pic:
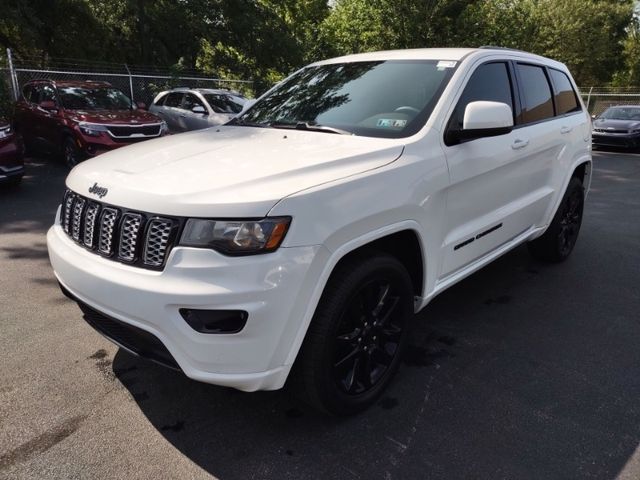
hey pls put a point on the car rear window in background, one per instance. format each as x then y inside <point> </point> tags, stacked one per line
<point>537,103</point>
<point>223,103</point>
<point>490,82</point>
<point>174,99</point>
<point>566,101</point>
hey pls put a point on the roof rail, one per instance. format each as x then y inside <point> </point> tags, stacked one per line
<point>493,47</point>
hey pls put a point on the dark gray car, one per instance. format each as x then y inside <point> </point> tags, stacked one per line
<point>618,127</point>
<point>192,109</point>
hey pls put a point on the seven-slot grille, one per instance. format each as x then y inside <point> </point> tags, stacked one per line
<point>136,238</point>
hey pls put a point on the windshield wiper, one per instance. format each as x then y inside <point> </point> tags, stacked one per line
<point>313,127</point>
<point>245,123</point>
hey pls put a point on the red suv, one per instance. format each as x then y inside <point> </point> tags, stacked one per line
<point>11,159</point>
<point>81,119</point>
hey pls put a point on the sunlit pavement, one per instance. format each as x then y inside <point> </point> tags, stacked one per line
<point>522,371</point>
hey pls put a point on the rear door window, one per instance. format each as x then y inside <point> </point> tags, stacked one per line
<point>537,103</point>
<point>565,95</point>
<point>174,99</point>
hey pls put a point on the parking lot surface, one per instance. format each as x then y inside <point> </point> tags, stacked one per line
<point>522,371</point>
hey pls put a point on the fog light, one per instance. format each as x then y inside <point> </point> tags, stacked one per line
<point>215,321</point>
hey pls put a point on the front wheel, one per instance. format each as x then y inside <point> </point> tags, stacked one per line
<point>71,154</point>
<point>353,346</point>
<point>557,243</point>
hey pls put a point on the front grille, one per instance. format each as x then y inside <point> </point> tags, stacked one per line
<point>134,131</point>
<point>606,130</point>
<point>137,238</point>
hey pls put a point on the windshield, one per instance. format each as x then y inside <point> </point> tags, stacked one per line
<point>99,98</point>
<point>390,98</point>
<point>632,113</point>
<point>222,103</point>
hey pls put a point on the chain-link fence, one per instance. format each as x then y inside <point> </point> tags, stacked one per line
<point>598,99</point>
<point>141,83</point>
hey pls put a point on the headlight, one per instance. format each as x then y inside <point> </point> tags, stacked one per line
<point>5,131</point>
<point>91,129</point>
<point>236,237</point>
<point>164,128</point>
<point>634,130</point>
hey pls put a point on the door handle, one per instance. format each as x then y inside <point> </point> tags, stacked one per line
<point>518,144</point>
<point>182,115</point>
<point>565,130</point>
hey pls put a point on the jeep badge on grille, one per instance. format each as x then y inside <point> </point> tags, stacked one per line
<point>97,190</point>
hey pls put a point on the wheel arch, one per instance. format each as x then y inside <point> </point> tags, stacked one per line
<point>389,239</point>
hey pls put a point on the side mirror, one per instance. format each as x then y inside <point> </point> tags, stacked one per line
<point>199,109</point>
<point>48,105</point>
<point>486,119</point>
<point>141,105</point>
<point>593,117</point>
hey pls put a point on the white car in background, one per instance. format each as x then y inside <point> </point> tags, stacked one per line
<point>193,109</point>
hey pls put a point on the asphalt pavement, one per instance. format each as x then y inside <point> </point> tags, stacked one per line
<point>522,371</point>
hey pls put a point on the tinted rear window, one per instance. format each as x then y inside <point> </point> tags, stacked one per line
<point>536,102</point>
<point>566,100</point>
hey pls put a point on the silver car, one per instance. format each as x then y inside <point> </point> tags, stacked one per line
<point>192,109</point>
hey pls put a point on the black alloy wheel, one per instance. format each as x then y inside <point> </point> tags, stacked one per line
<point>369,335</point>
<point>357,335</point>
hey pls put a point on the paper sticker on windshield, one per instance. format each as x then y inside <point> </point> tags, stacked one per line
<point>391,123</point>
<point>442,64</point>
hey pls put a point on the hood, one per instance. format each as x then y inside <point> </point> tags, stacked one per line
<point>227,171</point>
<point>616,124</point>
<point>114,117</point>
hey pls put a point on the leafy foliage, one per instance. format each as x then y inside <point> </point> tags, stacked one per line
<point>267,39</point>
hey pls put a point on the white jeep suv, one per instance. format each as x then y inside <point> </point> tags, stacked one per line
<point>300,239</point>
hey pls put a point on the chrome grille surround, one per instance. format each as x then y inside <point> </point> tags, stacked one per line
<point>66,210</point>
<point>155,245</point>
<point>129,229</point>
<point>78,208</point>
<point>107,227</point>
<point>90,223</point>
<point>136,238</point>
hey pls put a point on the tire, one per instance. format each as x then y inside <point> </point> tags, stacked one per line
<point>354,343</point>
<point>557,243</point>
<point>71,154</point>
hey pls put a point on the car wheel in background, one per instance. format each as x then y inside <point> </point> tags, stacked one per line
<point>71,154</point>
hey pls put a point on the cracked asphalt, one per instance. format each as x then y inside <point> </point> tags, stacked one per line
<point>522,371</point>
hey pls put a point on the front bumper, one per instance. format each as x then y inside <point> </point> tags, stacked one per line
<point>626,140</point>
<point>271,288</point>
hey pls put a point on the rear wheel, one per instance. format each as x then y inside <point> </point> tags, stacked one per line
<point>558,241</point>
<point>353,345</point>
<point>71,154</point>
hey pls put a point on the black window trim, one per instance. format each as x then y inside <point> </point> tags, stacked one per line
<point>515,99</point>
